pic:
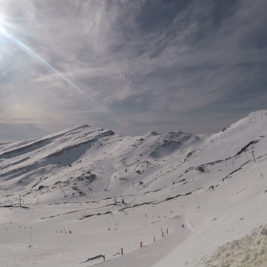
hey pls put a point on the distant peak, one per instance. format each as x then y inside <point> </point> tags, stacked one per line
<point>255,117</point>
<point>83,126</point>
<point>153,133</point>
<point>258,114</point>
<point>174,134</point>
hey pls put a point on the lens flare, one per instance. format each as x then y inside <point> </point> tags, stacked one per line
<point>2,27</point>
<point>42,62</point>
<point>34,55</point>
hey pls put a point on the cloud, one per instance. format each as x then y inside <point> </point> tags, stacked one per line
<point>142,65</point>
<point>17,131</point>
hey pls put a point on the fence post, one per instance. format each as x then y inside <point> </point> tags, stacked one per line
<point>121,251</point>
<point>154,239</point>
<point>141,244</point>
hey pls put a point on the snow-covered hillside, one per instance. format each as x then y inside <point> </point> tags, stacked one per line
<point>87,191</point>
<point>87,162</point>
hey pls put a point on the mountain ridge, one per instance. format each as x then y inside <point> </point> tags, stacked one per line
<point>132,160</point>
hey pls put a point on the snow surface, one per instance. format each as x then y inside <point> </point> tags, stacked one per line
<point>87,192</point>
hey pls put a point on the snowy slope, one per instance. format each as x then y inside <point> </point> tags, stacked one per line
<point>84,161</point>
<point>88,191</point>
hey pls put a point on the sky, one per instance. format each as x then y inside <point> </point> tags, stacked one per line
<point>130,66</point>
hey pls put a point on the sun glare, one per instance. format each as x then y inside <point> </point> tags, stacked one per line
<point>2,27</point>
<point>6,32</point>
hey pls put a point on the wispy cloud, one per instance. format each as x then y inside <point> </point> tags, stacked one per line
<point>142,65</point>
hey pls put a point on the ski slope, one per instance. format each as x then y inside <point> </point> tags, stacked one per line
<point>86,192</point>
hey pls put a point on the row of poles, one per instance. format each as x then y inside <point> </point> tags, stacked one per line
<point>141,243</point>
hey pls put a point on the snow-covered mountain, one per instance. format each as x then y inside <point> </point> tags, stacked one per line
<point>85,161</point>
<point>206,189</point>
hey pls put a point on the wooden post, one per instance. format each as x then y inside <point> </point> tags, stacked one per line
<point>104,258</point>
<point>30,246</point>
<point>253,155</point>
<point>154,239</point>
<point>162,234</point>
<point>167,231</point>
<point>121,251</point>
<point>141,244</point>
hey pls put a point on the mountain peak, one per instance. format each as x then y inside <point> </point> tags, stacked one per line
<point>251,120</point>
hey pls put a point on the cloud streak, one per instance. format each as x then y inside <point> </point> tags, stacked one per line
<point>142,65</point>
